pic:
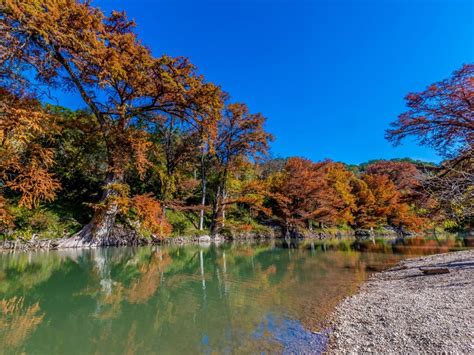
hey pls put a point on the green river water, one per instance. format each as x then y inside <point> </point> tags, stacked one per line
<point>230,298</point>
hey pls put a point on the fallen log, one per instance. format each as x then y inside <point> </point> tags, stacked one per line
<point>434,270</point>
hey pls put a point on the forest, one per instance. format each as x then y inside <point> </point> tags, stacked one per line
<point>158,151</point>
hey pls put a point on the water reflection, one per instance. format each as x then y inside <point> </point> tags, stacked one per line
<point>17,321</point>
<point>230,298</point>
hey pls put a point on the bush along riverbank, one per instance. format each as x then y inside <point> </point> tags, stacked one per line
<point>423,305</point>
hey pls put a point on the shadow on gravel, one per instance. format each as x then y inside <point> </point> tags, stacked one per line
<point>459,265</point>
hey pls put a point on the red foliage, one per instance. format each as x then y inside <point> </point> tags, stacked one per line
<point>404,175</point>
<point>307,191</point>
<point>380,203</point>
<point>440,116</point>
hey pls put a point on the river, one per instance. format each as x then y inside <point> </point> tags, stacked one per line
<point>229,298</point>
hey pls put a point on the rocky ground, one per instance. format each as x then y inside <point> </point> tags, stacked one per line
<point>404,311</point>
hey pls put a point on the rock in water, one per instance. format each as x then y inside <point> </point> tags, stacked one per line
<point>204,239</point>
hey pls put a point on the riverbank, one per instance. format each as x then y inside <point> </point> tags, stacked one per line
<point>123,237</point>
<point>402,310</point>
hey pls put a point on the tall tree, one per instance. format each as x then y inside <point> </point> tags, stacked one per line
<point>379,203</point>
<point>71,45</point>
<point>442,117</point>
<point>240,134</point>
<point>294,192</point>
<point>307,192</point>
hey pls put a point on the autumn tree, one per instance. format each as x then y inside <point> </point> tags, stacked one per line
<point>364,213</point>
<point>452,187</point>
<point>442,117</point>
<point>73,46</point>
<point>379,203</point>
<point>308,192</point>
<point>246,194</point>
<point>241,134</point>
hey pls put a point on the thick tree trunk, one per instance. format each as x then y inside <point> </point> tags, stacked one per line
<point>99,231</point>
<point>103,221</point>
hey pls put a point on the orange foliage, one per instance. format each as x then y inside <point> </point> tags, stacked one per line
<point>343,201</point>
<point>379,202</point>
<point>363,215</point>
<point>404,175</point>
<point>149,281</point>
<point>151,215</point>
<point>313,191</point>
<point>328,193</point>
<point>17,321</point>
<point>72,45</point>
<point>24,162</point>
<point>294,190</point>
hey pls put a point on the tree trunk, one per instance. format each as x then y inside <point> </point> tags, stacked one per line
<point>203,192</point>
<point>104,219</point>
<point>215,211</point>
<point>224,196</point>
<point>99,231</point>
<point>218,203</point>
<point>201,259</point>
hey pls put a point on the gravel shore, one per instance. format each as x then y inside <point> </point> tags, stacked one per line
<point>403,311</point>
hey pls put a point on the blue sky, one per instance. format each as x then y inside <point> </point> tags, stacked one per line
<point>329,75</point>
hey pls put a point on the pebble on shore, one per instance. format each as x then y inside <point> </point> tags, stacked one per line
<point>404,311</point>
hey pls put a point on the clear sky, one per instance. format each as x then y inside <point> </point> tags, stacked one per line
<point>330,75</point>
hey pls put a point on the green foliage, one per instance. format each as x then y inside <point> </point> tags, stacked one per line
<point>452,226</point>
<point>363,166</point>
<point>41,223</point>
<point>182,225</point>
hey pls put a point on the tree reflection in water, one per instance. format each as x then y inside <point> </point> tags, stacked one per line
<point>17,321</point>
